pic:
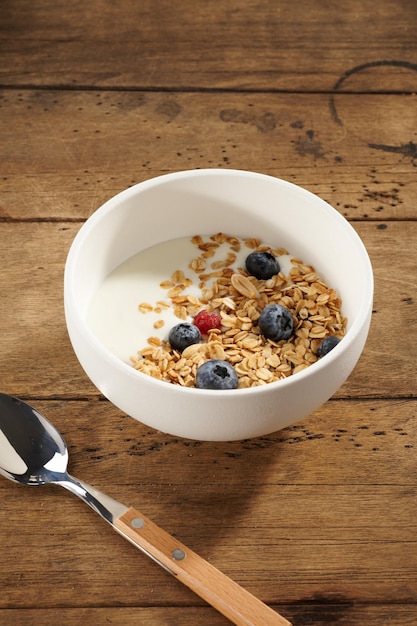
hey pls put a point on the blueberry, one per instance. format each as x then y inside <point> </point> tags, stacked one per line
<point>183,335</point>
<point>327,344</point>
<point>276,322</point>
<point>216,374</point>
<point>262,265</point>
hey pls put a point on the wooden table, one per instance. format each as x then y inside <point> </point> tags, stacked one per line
<point>317,520</point>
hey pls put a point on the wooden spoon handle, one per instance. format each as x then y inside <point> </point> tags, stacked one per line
<point>237,604</point>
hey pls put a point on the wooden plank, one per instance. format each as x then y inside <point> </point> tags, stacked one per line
<point>317,513</point>
<point>256,45</point>
<point>372,434</point>
<point>37,359</point>
<point>319,615</point>
<point>64,153</point>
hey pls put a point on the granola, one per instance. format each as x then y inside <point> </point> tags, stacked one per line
<point>239,299</point>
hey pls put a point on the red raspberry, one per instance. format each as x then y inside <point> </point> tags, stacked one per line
<point>206,320</point>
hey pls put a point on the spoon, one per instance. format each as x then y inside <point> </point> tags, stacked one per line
<point>33,452</point>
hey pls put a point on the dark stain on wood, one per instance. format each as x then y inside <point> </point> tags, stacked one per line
<point>408,150</point>
<point>264,123</point>
<point>388,198</point>
<point>322,609</point>
<point>308,145</point>
<point>169,108</point>
<point>360,68</point>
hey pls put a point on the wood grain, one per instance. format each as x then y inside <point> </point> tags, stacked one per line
<point>64,153</point>
<point>342,614</point>
<point>322,512</point>
<point>252,45</point>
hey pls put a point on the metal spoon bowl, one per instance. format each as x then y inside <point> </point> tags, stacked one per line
<point>33,452</point>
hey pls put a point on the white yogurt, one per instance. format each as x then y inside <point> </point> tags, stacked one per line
<point>114,316</point>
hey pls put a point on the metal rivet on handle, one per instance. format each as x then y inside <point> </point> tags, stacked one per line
<point>178,554</point>
<point>137,522</point>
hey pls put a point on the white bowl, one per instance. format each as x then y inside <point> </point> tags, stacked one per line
<point>204,202</point>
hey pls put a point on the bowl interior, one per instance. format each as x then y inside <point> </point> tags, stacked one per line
<point>208,201</point>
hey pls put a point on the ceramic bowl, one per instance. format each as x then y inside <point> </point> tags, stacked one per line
<point>240,203</point>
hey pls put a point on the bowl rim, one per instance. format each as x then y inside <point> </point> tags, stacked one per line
<point>101,212</point>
